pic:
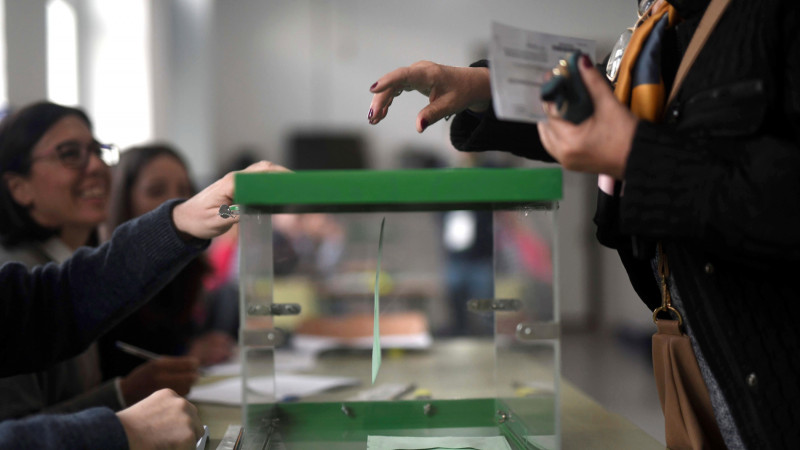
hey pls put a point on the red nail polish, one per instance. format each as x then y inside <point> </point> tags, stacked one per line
<point>369,116</point>
<point>424,124</point>
<point>373,86</point>
<point>587,63</point>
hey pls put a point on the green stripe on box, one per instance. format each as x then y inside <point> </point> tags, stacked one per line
<point>398,189</point>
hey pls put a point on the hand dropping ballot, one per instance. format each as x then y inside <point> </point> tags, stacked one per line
<point>519,60</point>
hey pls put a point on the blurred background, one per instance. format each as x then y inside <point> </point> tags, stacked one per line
<point>288,81</point>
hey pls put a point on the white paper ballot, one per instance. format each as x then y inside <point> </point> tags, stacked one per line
<point>519,60</point>
<point>229,391</point>
<point>286,361</point>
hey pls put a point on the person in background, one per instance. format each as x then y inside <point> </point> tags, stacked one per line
<point>85,295</point>
<point>54,194</point>
<point>169,324</point>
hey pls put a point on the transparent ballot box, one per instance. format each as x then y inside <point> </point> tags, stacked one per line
<point>384,308</point>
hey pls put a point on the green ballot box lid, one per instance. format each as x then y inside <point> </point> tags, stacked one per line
<point>399,190</point>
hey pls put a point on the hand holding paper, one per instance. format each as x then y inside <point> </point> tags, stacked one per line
<point>520,61</point>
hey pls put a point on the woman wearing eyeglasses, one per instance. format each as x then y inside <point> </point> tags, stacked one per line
<point>54,193</point>
<point>711,177</point>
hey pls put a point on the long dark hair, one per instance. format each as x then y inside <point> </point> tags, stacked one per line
<point>19,133</point>
<point>167,322</point>
<point>131,163</point>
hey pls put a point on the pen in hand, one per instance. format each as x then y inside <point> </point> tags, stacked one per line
<point>136,351</point>
<point>144,354</point>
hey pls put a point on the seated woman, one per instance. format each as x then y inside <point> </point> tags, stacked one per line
<point>169,324</point>
<point>53,195</point>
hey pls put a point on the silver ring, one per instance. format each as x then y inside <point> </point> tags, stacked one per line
<point>226,211</point>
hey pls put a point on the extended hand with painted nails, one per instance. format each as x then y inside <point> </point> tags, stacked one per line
<point>600,144</point>
<point>449,90</point>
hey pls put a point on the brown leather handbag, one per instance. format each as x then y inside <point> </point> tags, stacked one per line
<point>688,416</point>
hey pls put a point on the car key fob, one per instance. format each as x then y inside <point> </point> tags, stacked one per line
<point>567,91</point>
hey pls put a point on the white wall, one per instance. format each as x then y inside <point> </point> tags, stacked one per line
<point>282,65</point>
<point>25,51</point>
<point>183,85</point>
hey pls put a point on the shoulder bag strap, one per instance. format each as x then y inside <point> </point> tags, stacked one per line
<point>707,23</point>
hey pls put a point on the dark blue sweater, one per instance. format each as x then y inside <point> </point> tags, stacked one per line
<point>55,311</point>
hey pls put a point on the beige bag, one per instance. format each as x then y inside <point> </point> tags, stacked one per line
<point>688,416</point>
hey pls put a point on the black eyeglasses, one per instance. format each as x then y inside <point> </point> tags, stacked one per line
<point>75,155</point>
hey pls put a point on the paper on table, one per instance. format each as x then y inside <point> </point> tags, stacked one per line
<point>519,61</point>
<point>229,391</point>
<point>376,332</point>
<point>285,361</point>
<point>426,443</point>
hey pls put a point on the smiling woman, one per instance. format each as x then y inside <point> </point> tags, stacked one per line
<point>41,195</point>
<point>54,192</point>
<point>147,176</point>
<point>67,185</point>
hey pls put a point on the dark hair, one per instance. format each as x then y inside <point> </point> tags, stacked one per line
<point>130,166</point>
<point>166,323</point>
<point>19,133</point>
